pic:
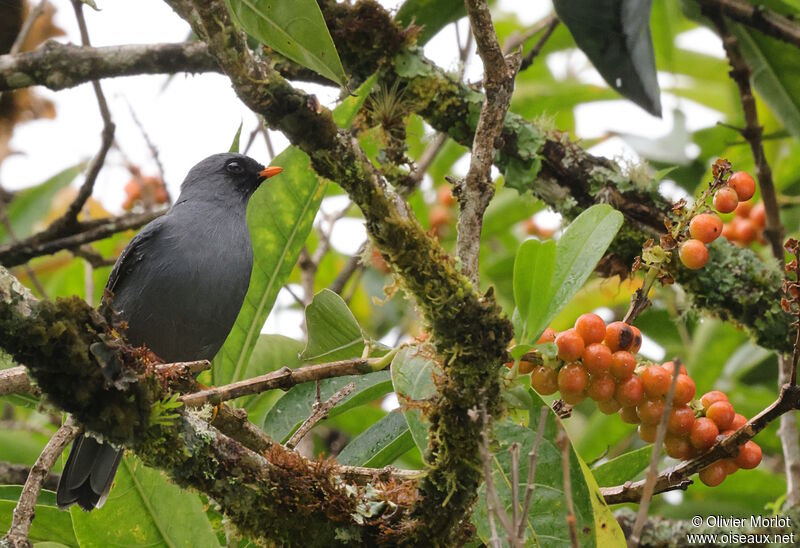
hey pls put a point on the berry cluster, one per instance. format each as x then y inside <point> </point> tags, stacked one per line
<point>598,362</point>
<point>707,227</point>
<point>747,224</point>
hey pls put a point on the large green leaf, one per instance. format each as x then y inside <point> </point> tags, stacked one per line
<point>546,522</point>
<point>144,509</point>
<point>547,275</point>
<point>280,215</point>
<point>295,406</point>
<point>431,15</point>
<point>333,332</point>
<point>50,525</point>
<point>413,380</point>
<point>293,28</point>
<point>615,36</point>
<point>623,468</point>
<point>775,69</point>
<point>380,444</point>
<point>32,204</point>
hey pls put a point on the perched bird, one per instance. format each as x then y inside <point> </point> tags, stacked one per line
<point>179,285</point>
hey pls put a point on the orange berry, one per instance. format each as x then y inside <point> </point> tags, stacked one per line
<point>743,209</point>
<point>609,407</point>
<point>544,380</point>
<point>572,378</point>
<point>704,433</point>
<point>591,328</point>
<point>726,200</point>
<point>705,227</point>
<point>628,415</point>
<point>623,364</point>
<point>712,397</point>
<point>656,381</point>
<point>596,358</point>
<point>684,390</point>
<point>713,474</point>
<point>681,420</point>
<point>743,184</point>
<point>439,216</point>
<point>738,421</point>
<point>445,196</point>
<point>670,366</point>
<point>693,254</point>
<point>759,215</point>
<point>601,387</point>
<point>648,432</point>
<point>744,230</point>
<point>730,466</point>
<point>630,392</point>
<point>547,336</point>
<point>650,411</point>
<point>133,189</point>
<point>570,345</point>
<point>721,413</point>
<point>728,232</point>
<point>677,447</point>
<point>619,336</point>
<point>525,367</point>
<point>749,455</point>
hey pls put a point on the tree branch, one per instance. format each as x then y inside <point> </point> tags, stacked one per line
<point>476,193</point>
<point>83,233</point>
<point>17,535</point>
<point>17,474</point>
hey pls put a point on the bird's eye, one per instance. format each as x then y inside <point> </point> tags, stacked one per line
<point>235,168</point>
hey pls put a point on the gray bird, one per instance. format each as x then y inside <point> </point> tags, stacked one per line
<point>179,285</point>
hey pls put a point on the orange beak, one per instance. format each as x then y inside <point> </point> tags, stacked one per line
<point>270,171</point>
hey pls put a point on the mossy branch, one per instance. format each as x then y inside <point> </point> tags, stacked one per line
<point>110,388</point>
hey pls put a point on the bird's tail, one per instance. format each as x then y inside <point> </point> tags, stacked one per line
<point>88,474</point>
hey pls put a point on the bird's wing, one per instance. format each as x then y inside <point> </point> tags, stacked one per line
<point>134,253</point>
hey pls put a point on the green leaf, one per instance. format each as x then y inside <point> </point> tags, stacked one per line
<point>561,268</point>
<point>775,68</point>
<point>295,406</point>
<point>235,143</point>
<point>347,110</point>
<point>380,444</point>
<point>615,36</point>
<point>623,468</point>
<point>144,509</point>
<point>280,215</point>
<point>31,205</point>
<point>293,28</point>
<point>431,15</point>
<point>333,332</point>
<point>412,377</point>
<point>546,523</point>
<point>50,525</point>
<point>533,275</point>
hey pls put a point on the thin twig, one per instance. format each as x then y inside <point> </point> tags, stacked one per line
<point>514,453</point>
<point>152,148</point>
<point>85,232</point>
<point>652,470</point>
<point>527,61</point>
<point>14,240</point>
<point>478,189</point>
<point>319,412</point>
<point>517,39</point>
<point>759,17</point>
<point>353,264</point>
<point>533,458</point>
<point>25,29</point>
<point>563,443</point>
<point>286,378</point>
<point>24,512</point>
<point>493,505</point>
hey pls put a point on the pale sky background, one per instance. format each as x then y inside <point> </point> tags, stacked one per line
<point>194,116</point>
